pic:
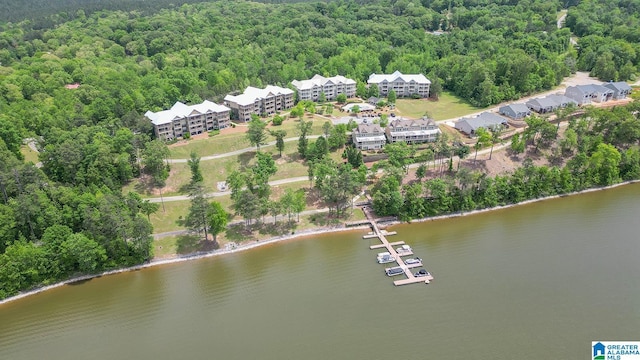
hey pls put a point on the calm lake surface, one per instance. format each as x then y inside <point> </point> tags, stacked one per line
<point>530,282</point>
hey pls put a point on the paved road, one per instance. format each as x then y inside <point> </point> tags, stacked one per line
<point>238,152</point>
<point>223,193</point>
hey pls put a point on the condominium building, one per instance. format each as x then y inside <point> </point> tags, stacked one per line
<point>331,87</point>
<point>368,137</point>
<point>184,119</point>
<point>403,85</point>
<point>259,101</point>
<point>412,131</point>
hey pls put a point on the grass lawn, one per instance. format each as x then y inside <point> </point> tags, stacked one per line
<point>29,155</point>
<point>448,106</point>
<point>227,142</point>
<point>171,245</point>
<point>216,144</point>
<point>166,221</point>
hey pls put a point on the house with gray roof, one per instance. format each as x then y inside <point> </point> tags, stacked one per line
<point>542,105</point>
<point>562,100</point>
<point>368,136</point>
<point>412,131</point>
<point>184,119</point>
<point>485,120</point>
<point>515,111</point>
<point>404,85</point>
<point>620,89</point>
<point>586,94</point>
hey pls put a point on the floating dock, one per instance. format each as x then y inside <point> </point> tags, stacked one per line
<point>384,243</point>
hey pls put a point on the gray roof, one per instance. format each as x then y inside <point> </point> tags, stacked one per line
<point>543,103</point>
<point>516,108</point>
<point>619,86</point>
<point>369,129</point>
<point>592,89</point>
<point>561,99</point>
<point>402,123</point>
<point>484,120</point>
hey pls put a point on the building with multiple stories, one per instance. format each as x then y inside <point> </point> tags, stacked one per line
<point>331,87</point>
<point>184,119</point>
<point>368,137</point>
<point>586,94</point>
<point>412,131</point>
<point>259,102</point>
<point>403,85</point>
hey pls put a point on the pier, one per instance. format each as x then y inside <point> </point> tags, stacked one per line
<point>389,246</point>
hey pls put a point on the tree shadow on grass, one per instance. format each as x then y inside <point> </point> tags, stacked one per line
<point>245,158</point>
<point>187,244</point>
<point>276,229</point>
<point>328,219</point>
<point>239,232</point>
<point>144,185</point>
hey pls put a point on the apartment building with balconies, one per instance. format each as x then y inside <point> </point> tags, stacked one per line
<point>260,102</point>
<point>331,87</point>
<point>184,119</point>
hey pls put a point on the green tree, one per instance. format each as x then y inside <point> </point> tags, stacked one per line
<point>256,133</point>
<point>197,217</point>
<point>304,127</point>
<point>495,132</point>
<point>326,128</point>
<point>604,165</point>
<point>391,97</point>
<point>387,199</point>
<point>341,98</point>
<point>279,135</point>
<point>148,208</point>
<point>217,220</point>
<point>483,137</point>
<point>373,91</point>
<point>79,253</point>
<point>194,166</point>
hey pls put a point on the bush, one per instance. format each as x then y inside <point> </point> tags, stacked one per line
<point>277,120</point>
<point>214,132</point>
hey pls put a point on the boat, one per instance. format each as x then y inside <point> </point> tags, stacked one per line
<point>413,261</point>
<point>421,273</point>
<point>404,249</point>
<point>386,253</point>
<point>394,271</point>
<point>385,259</point>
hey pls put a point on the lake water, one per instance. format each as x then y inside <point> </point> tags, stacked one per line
<point>535,281</point>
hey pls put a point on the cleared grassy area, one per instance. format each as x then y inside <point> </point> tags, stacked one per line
<point>236,140</point>
<point>216,144</point>
<point>164,221</point>
<point>448,106</point>
<point>289,166</point>
<point>169,246</point>
<point>29,155</point>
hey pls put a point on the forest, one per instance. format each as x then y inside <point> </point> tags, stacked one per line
<point>70,216</point>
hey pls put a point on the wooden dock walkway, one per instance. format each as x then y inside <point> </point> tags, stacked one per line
<point>397,255</point>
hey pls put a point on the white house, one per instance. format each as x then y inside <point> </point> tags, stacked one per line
<point>403,85</point>
<point>192,119</point>
<point>412,131</point>
<point>368,137</point>
<point>259,101</point>
<point>331,87</point>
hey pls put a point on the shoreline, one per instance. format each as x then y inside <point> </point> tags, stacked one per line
<point>302,234</point>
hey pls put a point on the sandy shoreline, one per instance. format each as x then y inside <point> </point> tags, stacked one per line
<point>310,232</point>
